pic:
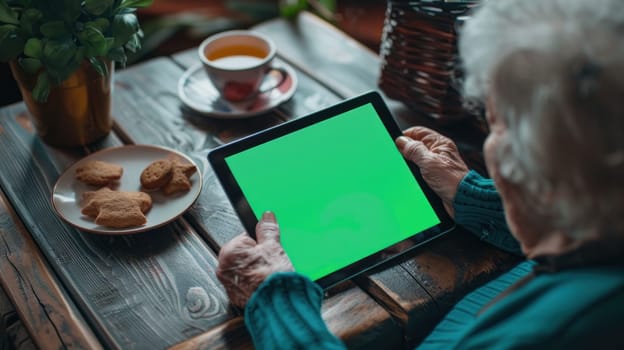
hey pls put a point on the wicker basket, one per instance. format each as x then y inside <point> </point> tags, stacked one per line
<point>419,57</point>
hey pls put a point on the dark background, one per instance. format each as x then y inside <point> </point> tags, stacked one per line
<point>174,25</point>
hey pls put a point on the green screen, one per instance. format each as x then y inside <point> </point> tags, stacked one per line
<point>340,190</point>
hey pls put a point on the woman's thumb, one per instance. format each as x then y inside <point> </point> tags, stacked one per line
<point>411,149</point>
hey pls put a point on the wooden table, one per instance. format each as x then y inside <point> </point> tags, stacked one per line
<point>158,289</point>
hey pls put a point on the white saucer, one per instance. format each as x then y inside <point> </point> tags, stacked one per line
<point>67,193</point>
<point>197,92</point>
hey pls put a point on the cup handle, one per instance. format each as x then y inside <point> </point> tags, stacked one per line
<point>277,81</point>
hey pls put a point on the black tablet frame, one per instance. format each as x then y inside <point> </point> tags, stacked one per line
<point>234,193</point>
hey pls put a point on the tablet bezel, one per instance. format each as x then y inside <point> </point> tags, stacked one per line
<point>234,193</point>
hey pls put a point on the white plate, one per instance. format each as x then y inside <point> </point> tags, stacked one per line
<point>197,92</point>
<point>67,193</point>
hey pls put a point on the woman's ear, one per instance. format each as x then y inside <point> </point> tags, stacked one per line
<point>489,110</point>
<point>491,114</point>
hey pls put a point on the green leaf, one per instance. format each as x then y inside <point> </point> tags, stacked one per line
<point>94,42</point>
<point>70,10</point>
<point>6,29</point>
<point>124,27</point>
<point>330,5</point>
<point>109,43</point>
<point>57,55</point>
<point>133,44</point>
<point>42,88</point>
<point>6,14</point>
<point>98,65</point>
<point>118,54</point>
<point>77,59</point>
<point>100,24</point>
<point>29,18</point>
<point>290,8</point>
<point>30,65</point>
<point>54,29</point>
<point>97,7</point>
<point>11,43</point>
<point>80,55</point>
<point>33,48</point>
<point>135,3</point>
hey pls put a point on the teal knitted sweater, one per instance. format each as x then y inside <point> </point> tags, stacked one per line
<point>558,304</point>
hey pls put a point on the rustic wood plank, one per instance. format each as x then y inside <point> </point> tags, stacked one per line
<point>446,268</point>
<point>13,333</point>
<point>213,214</point>
<point>147,291</point>
<point>229,335</point>
<point>394,287</point>
<point>41,303</point>
<point>347,312</point>
<point>359,320</point>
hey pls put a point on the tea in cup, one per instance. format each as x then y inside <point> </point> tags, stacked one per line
<point>237,62</point>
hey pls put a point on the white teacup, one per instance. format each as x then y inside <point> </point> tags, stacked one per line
<point>237,62</point>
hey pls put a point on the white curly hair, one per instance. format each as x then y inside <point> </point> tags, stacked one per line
<point>553,70</point>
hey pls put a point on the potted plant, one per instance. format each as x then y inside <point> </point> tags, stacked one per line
<point>62,54</point>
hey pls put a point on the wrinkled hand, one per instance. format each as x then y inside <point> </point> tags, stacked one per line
<point>244,263</point>
<point>438,159</point>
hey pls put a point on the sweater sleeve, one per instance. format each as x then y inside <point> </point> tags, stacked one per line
<point>285,313</point>
<point>479,209</point>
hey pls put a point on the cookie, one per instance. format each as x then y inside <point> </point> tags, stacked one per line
<point>180,179</point>
<point>98,173</point>
<point>157,174</point>
<point>116,209</point>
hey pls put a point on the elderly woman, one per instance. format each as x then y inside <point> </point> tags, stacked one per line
<point>551,75</point>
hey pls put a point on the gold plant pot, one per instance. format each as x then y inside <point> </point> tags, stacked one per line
<point>77,111</point>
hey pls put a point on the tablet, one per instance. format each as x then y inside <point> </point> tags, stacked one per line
<point>345,198</point>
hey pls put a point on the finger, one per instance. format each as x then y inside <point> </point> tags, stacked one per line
<point>427,136</point>
<point>413,150</point>
<point>267,228</point>
<point>243,240</point>
<point>418,132</point>
<point>232,248</point>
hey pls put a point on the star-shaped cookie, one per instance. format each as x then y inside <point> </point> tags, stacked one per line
<point>98,173</point>
<point>116,209</point>
<point>180,178</point>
